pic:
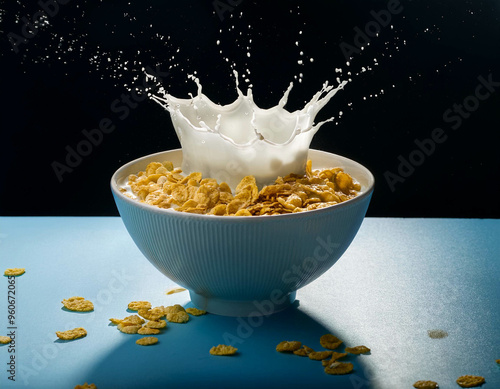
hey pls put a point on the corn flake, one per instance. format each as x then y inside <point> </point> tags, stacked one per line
<point>136,305</point>
<point>337,368</point>
<point>147,331</point>
<point>72,334</point>
<point>175,290</point>
<point>196,311</point>
<point>78,304</point>
<point>147,341</point>
<point>5,339</point>
<point>115,321</point>
<point>129,329</point>
<point>288,346</point>
<point>304,351</point>
<point>155,313</point>
<point>173,309</point>
<point>178,317</point>
<point>425,385</point>
<point>132,320</point>
<point>86,386</point>
<point>357,350</point>
<point>223,349</point>
<point>319,355</point>
<point>15,271</point>
<point>470,381</point>
<point>330,341</point>
<point>335,356</point>
<point>157,324</point>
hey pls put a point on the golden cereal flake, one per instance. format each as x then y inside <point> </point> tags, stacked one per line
<point>155,313</point>
<point>132,320</point>
<point>173,309</point>
<point>15,271</point>
<point>157,324</point>
<point>147,341</point>
<point>498,361</point>
<point>337,368</point>
<point>78,304</point>
<point>330,341</point>
<point>357,350</point>
<point>178,317</point>
<point>115,321</point>
<point>288,346</point>
<point>319,355</point>
<point>304,351</point>
<point>5,339</point>
<point>130,329</point>
<point>470,381</point>
<point>72,334</point>
<point>425,385</point>
<point>136,305</point>
<point>86,386</point>
<point>335,357</point>
<point>196,311</point>
<point>223,349</point>
<point>148,331</point>
<point>175,290</point>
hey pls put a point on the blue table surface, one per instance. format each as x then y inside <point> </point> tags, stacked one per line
<point>398,279</point>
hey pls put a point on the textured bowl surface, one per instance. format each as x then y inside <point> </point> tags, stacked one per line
<point>243,266</point>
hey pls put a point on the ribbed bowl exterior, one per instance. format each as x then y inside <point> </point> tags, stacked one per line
<point>242,258</point>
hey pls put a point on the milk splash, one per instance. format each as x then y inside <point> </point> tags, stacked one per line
<point>232,141</point>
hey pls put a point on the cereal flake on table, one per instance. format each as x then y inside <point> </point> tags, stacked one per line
<point>178,317</point>
<point>148,331</point>
<point>223,350</point>
<point>357,350</point>
<point>15,271</point>
<point>335,357</point>
<point>330,341</point>
<point>78,304</point>
<point>196,311</point>
<point>155,313</point>
<point>304,351</point>
<point>86,386</point>
<point>426,385</point>
<point>72,334</point>
<point>470,381</point>
<point>288,346</point>
<point>129,329</point>
<point>156,324</point>
<point>163,187</point>
<point>338,368</point>
<point>136,305</point>
<point>5,339</point>
<point>147,341</point>
<point>320,355</point>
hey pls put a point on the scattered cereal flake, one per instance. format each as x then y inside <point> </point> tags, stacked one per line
<point>175,290</point>
<point>425,385</point>
<point>498,361</point>
<point>136,305</point>
<point>222,349</point>
<point>330,341</point>
<point>337,368</point>
<point>115,321</point>
<point>173,309</point>
<point>196,311</point>
<point>157,324</point>
<point>5,339</point>
<point>72,334</point>
<point>178,317</point>
<point>130,329</point>
<point>15,271</point>
<point>335,357</point>
<point>147,341</point>
<point>288,346</point>
<point>470,381</point>
<point>132,320</point>
<point>78,304</point>
<point>304,351</point>
<point>320,355</point>
<point>148,331</point>
<point>86,386</point>
<point>357,350</point>
<point>155,313</point>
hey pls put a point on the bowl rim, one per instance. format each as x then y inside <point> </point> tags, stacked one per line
<point>235,219</point>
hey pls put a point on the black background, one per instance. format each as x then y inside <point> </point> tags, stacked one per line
<point>65,78</point>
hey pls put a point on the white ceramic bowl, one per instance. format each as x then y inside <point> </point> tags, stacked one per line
<point>243,266</point>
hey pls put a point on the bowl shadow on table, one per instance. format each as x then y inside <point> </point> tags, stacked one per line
<point>181,358</point>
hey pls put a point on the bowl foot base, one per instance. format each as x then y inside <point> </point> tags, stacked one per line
<point>241,308</point>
